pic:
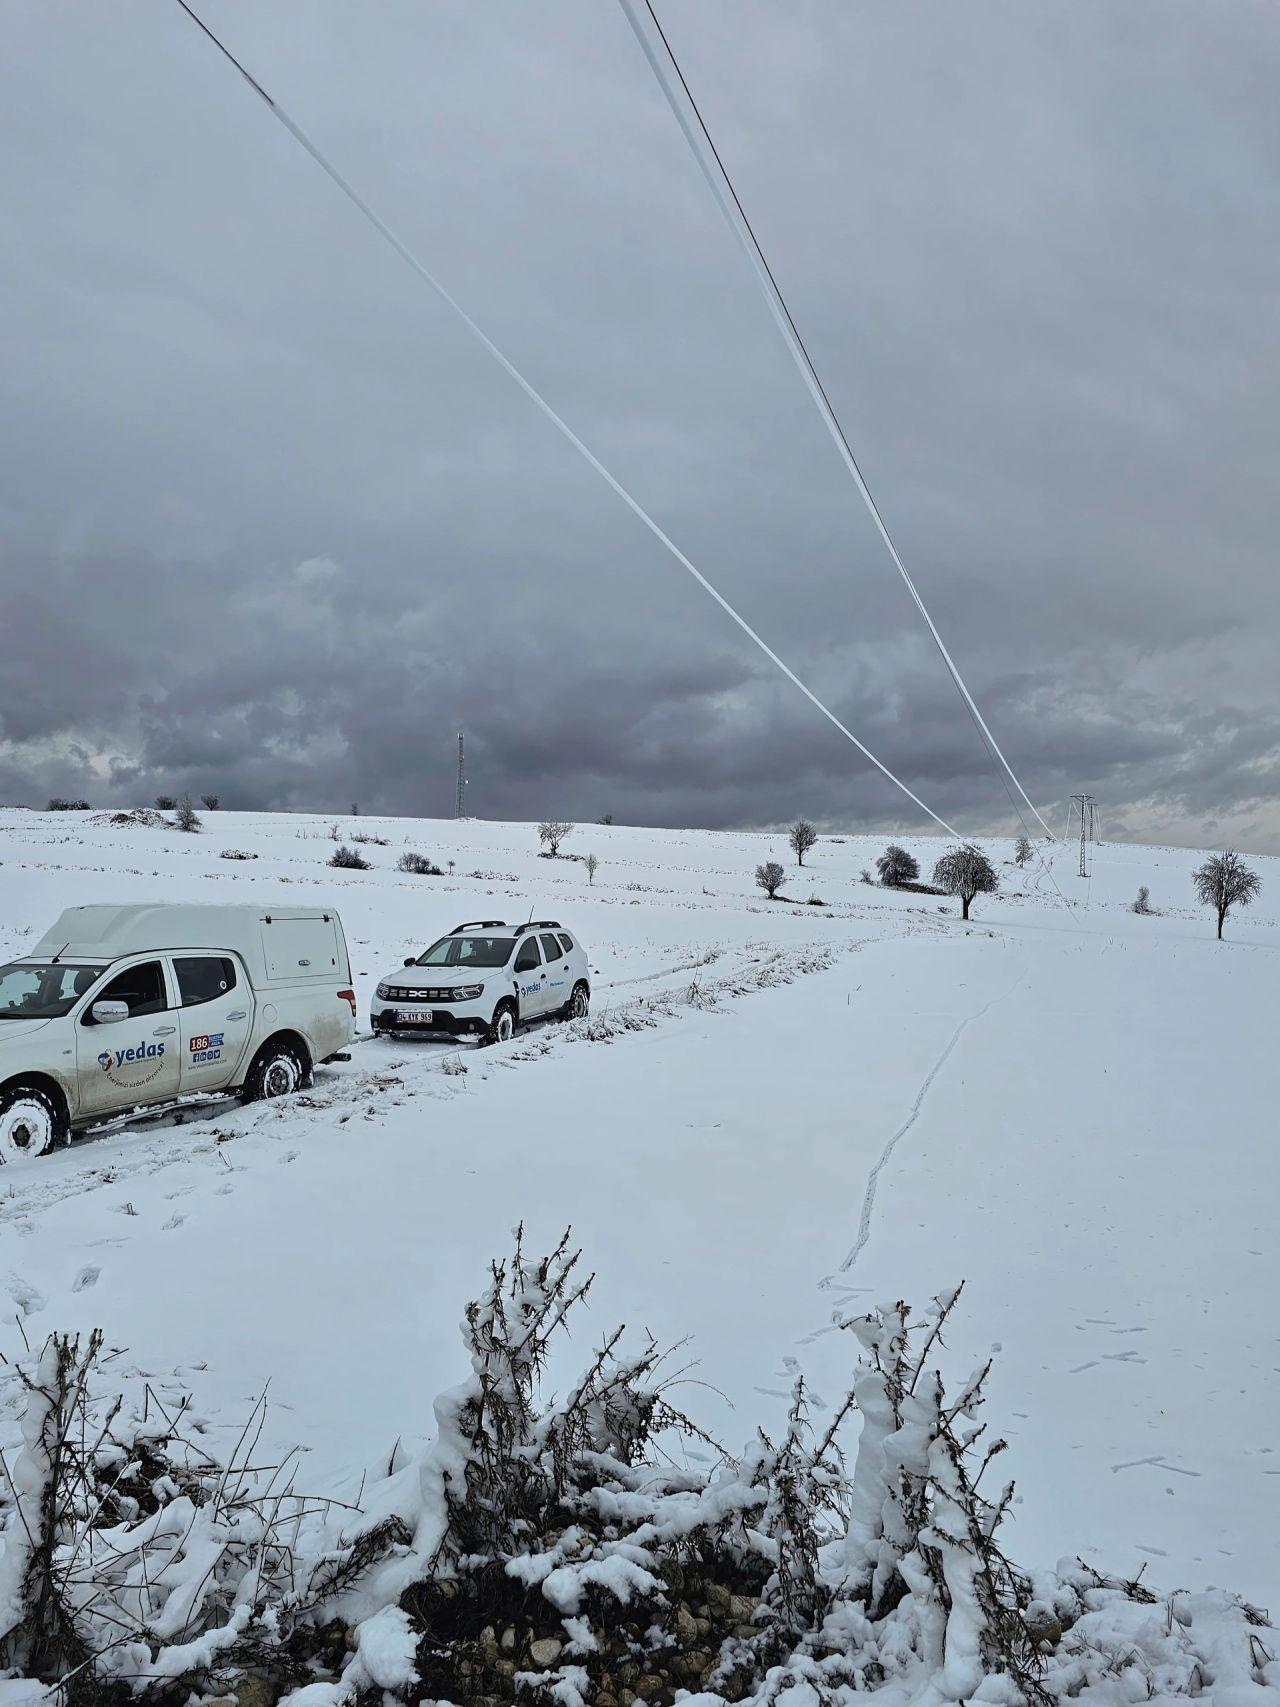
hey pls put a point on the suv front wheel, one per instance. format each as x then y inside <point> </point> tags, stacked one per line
<point>502,1027</point>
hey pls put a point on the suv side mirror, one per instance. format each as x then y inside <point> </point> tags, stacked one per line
<point>411,961</point>
<point>109,1013</point>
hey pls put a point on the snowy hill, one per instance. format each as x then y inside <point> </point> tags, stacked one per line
<point>801,1112</point>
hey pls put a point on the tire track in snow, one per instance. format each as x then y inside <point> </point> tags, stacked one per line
<point>873,1178</point>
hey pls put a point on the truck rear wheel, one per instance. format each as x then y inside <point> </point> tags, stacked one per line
<point>278,1070</point>
<point>30,1121</point>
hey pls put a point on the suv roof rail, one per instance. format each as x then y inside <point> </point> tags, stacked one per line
<point>480,925</point>
<point>539,925</point>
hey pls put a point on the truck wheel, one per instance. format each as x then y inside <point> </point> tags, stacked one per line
<point>277,1071</point>
<point>503,1026</point>
<point>30,1120</point>
<point>579,1003</point>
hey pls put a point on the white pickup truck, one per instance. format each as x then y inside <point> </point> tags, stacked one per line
<point>119,1008</point>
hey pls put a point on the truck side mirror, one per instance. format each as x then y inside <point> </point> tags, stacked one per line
<point>109,1013</point>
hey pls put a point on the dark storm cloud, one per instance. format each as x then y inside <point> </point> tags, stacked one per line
<point>273,526</point>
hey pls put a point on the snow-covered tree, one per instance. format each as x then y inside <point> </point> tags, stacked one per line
<point>551,832</point>
<point>770,877</point>
<point>1023,852</point>
<point>801,836</point>
<point>896,865</point>
<point>1225,881</point>
<point>966,871</point>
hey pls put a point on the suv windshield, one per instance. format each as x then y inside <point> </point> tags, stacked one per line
<point>468,951</point>
<point>29,990</point>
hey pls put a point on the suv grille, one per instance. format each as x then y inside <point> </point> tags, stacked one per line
<point>396,994</point>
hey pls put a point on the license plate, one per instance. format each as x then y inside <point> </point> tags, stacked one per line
<point>414,1016</point>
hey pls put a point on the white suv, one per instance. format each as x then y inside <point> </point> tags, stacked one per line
<point>484,979</point>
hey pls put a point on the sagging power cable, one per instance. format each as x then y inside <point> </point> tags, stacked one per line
<point>666,68</point>
<point>562,426</point>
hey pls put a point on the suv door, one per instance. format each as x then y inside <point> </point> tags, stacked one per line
<point>531,979</point>
<point>559,972</point>
<point>214,1028</point>
<point>136,1060</point>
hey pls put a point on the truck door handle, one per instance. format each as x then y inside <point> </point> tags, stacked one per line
<point>238,1014</point>
<point>164,1031</point>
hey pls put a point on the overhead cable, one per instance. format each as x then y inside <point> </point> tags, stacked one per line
<point>664,64</point>
<point>562,426</point>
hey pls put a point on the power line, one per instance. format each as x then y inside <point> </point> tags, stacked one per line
<point>721,186</point>
<point>562,426</point>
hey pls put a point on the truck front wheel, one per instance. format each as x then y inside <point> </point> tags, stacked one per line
<point>30,1120</point>
<point>278,1070</point>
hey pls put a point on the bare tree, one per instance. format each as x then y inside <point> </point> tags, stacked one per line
<point>802,836</point>
<point>896,865</point>
<point>593,865</point>
<point>165,803</point>
<point>770,877</point>
<point>188,818</point>
<point>1023,852</point>
<point>210,802</point>
<point>1225,881</point>
<point>551,833</point>
<point>966,871</point>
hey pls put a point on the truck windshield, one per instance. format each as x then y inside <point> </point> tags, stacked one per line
<point>31,990</point>
<point>468,951</point>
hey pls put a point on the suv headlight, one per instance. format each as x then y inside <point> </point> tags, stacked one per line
<point>382,992</point>
<point>467,992</point>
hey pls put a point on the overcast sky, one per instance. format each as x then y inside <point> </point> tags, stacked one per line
<point>272,526</point>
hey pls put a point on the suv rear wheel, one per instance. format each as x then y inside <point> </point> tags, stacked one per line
<point>30,1120</point>
<point>579,1003</point>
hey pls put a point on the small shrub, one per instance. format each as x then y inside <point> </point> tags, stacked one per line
<point>866,876</point>
<point>236,853</point>
<point>592,865</point>
<point>551,832</point>
<point>813,901</point>
<point>209,802</point>
<point>607,819</point>
<point>335,832</point>
<point>417,865</point>
<point>1023,852</point>
<point>364,839</point>
<point>58,804</point>
<point>188,818</point>
<point>166,803</point>
<point>1143,903</point>
<point>770,877</point>
<point>349,859</point>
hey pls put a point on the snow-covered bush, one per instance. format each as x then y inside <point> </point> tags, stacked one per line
<point>1143,902</point>
<point>556,1550</point>
<point>1023,852</point>
<point>236,853</point>
<point>348,858</point>
<point>186,817</point>
<point>418,865</point>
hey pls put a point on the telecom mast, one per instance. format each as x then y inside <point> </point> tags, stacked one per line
<point>460,808</point>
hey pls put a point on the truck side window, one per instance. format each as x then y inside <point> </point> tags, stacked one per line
<point>528,959</point>
<point>203,977</point>
<point>551,948</point>
<point>141,989</point>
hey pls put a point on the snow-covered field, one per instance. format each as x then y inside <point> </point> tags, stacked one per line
<point>1071,1108</point>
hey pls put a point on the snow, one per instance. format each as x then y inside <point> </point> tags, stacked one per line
<point>1069,1108</point>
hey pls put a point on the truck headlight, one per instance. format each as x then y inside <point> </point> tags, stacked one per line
<point>382,992</point>
<point>467,992</point>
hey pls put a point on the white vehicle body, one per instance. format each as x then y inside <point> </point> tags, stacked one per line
<point>118,1008</point>
<point>484,979</point>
